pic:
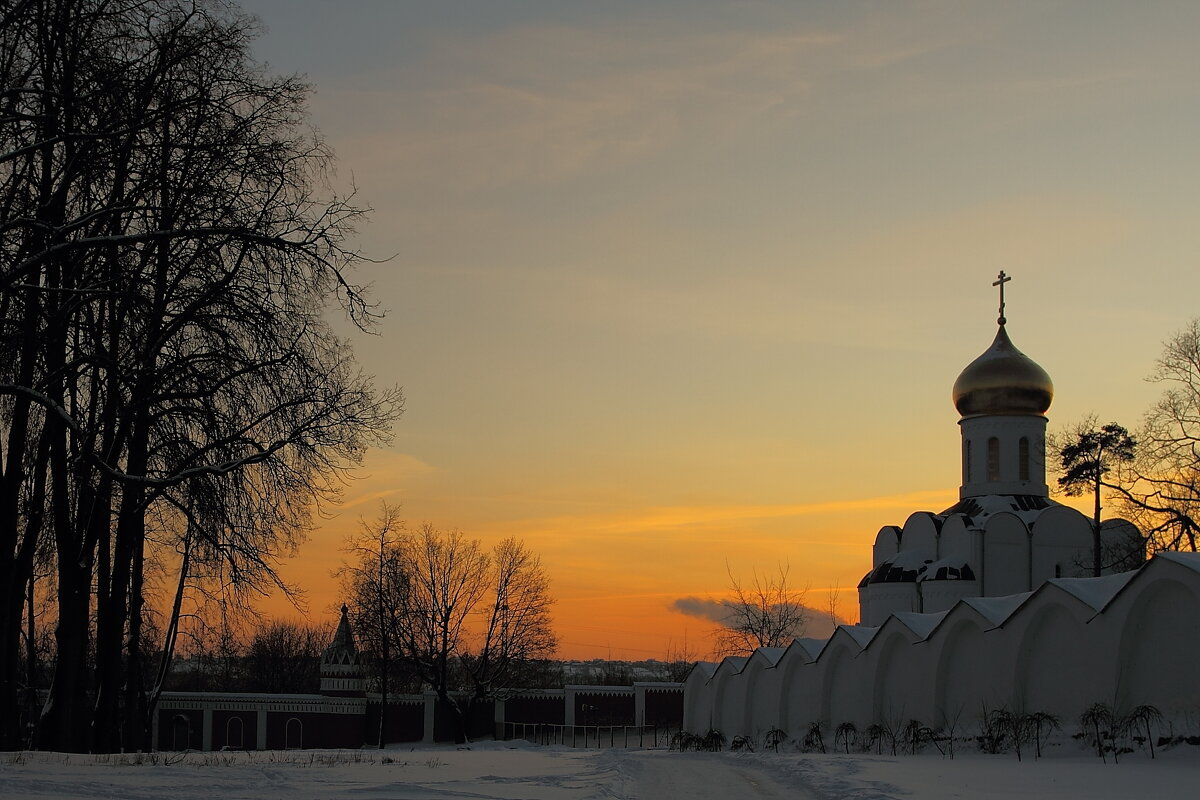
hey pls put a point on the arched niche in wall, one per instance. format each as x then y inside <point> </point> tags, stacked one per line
<point>726,687</point>
<point>842,698</point>
<point>698,691</point>
<point>234,733</point>
<point>1057,663</point>
<point>181,732</point>
<point>1160,644</point>
<point>962,682</point>
<point>798,675</point>
<point>894,684</point>
<point>293,734</point>
<point>1005,555</point>
<point>752,690</point>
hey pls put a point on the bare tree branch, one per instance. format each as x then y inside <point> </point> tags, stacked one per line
<point>766,612</point>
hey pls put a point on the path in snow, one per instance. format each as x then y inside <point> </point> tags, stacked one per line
<point>654,774</point>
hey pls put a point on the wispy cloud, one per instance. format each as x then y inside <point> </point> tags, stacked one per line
<point>818,622</point>
<point>386,475</point>
<point>540,104</point>
<point>701,608</point>
<point>701,516</point>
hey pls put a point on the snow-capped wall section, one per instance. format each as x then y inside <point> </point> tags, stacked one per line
<point>996,610</point>
<point>1096,592</point>
<point>921,625</point>
<point>1132,638</point>
<point>1188,560</point>
<point>809,648</point>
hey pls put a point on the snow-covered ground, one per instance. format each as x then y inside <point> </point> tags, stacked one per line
<point>517,771</point>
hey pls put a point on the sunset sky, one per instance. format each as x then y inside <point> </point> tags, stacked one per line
<point>680,284</point>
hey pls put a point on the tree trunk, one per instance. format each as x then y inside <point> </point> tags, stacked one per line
<point>1096,544</point>
<point>383,695</point>
<point>16,578</point>
<point>16,553</point>
<point>171,635</point>
<point>64,723</point>
<point>459,717</point>
<point>113,613</point>
<point>135,733</point>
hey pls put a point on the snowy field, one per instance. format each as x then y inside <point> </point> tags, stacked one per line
<point>516,771</point>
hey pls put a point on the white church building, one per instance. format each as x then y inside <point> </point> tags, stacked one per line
<point>985,605</point>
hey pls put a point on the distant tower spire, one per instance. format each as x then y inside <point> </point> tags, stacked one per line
<point>341,668</point>
<point>1000,281</point>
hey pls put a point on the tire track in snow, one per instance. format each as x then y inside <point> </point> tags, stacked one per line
<point>655,774</point>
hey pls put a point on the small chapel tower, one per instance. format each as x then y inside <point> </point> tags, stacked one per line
<point>1003,396</point>
<point>341,670</point>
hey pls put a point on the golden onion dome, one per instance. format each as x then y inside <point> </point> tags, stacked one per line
<point>1003,381</point>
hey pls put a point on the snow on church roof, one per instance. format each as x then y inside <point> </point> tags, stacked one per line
<point>976,510</point>
<point>1096,593</point>
<point>909,566</point>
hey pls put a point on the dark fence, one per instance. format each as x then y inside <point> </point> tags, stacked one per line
<point>624,736</point>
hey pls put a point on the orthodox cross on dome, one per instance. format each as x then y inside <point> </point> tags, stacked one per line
<point>1000,281</point>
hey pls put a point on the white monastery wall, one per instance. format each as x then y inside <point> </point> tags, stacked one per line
<point>698,691</point>
<point>1126,640</point>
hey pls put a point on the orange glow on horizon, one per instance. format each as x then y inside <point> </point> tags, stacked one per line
<point>615,574</point>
